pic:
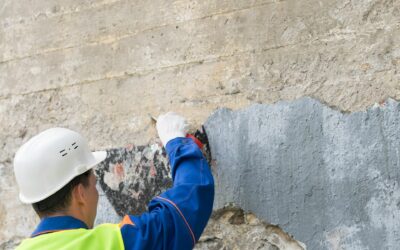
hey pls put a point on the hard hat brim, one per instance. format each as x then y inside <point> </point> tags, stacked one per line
<point>99,156</point>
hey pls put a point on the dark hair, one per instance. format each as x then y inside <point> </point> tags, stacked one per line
<point>60,200</point>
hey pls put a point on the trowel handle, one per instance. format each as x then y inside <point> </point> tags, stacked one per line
<point>197,141</point>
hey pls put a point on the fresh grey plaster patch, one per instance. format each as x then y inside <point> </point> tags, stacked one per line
<point>328,178</point>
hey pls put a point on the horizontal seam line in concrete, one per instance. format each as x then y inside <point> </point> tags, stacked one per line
<point>148,71</point>
<point>132,34</point>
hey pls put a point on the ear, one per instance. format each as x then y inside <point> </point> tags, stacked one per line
<point>79,194</point>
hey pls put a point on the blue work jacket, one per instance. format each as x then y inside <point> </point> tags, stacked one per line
<point>175,219</point>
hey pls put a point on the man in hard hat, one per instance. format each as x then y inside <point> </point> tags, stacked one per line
<point>54,174</point>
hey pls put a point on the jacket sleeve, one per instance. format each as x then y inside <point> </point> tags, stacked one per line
<point>176,218</point>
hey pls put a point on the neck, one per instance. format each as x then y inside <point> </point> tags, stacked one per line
<point>76,213</point>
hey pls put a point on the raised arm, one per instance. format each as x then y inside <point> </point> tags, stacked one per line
<point>177,217</point>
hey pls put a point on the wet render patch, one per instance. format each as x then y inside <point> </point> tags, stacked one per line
<point>330,179</point>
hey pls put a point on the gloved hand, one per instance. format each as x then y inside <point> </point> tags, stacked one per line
<point>171,126</point>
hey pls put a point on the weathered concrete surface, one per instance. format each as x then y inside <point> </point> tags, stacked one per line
<point>265,51</point>
<point>330,179</point>
<point>99,66</point>
<point>231,228</point>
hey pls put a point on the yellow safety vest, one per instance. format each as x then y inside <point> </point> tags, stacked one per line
<point>104,236</point>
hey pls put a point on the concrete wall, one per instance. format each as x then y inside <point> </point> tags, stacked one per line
<point>99,66</point>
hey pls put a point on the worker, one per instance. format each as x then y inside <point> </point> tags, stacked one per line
<point>54,174</point>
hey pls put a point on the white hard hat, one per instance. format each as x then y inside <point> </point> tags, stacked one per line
<point>51,159</point>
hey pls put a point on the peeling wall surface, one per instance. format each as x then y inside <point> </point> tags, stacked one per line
<point>101,66</point>
<point>329,179</point>
<point>130,177</point>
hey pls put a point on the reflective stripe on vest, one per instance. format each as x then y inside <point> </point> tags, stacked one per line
<point>104,236</point>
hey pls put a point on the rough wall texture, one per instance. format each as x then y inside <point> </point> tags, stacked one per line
<point>99,66</point>
<point>130,177</point>
<point>330,179</point>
